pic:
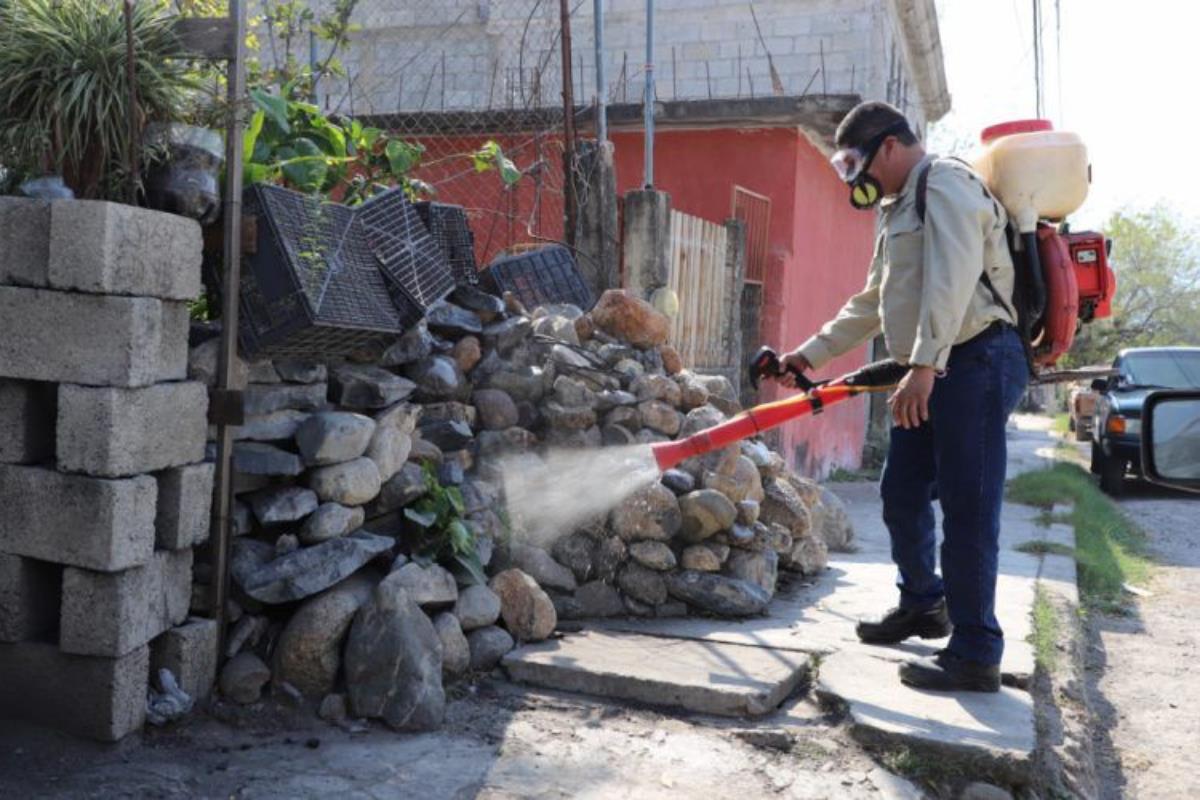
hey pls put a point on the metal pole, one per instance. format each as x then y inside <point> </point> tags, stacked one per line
<point>232,257</point>
<point>570,204</point>
<point>313,63</point>
<point>648,99</point>
<point>132,116</point>
<point>601,83</point>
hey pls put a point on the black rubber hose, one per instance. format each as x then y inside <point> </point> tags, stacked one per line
<point>1036,281</point>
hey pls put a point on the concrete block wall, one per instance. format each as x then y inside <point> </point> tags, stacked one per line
<point>102,473</point>
<point>704,48</point>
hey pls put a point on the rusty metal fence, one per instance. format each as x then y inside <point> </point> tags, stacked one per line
<point>451,75</point>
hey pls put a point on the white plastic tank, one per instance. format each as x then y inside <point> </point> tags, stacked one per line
<point>1034,170</point>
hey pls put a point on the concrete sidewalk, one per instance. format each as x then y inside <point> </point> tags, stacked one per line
<point>717,663</point>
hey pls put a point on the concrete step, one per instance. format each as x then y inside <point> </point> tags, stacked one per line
<point>700,676</point>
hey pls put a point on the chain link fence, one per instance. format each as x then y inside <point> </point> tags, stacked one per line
<point>451,75</point>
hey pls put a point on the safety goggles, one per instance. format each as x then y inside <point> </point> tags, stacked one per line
<point>851,162</point>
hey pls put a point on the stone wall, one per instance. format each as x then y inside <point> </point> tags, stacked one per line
<point>331,597</point>
<point>102,473</point>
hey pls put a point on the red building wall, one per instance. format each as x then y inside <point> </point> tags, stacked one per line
<point>819,249</point>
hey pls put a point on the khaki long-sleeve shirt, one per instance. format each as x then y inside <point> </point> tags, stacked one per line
<point>924,288</point>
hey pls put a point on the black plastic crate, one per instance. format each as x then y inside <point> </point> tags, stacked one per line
<point>327,280</point>
<point>540,277</point>
<point>450,228</point>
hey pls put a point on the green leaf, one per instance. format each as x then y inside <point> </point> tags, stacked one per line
<point>274,106</point>
<point>422,519</point>
<point>456,500</point>
<point>250,137</point>
<point>308,169</point>
<point>471,564</point>
<point>509,172</point>
<point>462,540</point>
<point>259,173</point>
<point>402,156</point>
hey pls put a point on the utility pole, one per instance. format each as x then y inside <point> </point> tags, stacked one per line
<point>648,98</point>
<point>601,84</point>
<point>570,203</point>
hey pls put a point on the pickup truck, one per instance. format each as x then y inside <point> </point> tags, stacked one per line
<point>1081,413</point>
<point>1116,435</point>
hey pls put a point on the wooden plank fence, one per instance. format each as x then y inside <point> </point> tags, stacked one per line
<point>699,278</point>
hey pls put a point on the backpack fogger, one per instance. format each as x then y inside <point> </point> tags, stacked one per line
<point>1063,279</point>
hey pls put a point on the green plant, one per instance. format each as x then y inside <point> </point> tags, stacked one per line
<point>442,535</point>
<point>64,91</point>
<point>1046,632</point>
<point>289,141</point>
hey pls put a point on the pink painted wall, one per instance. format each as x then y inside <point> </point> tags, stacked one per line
<point>819,249</point>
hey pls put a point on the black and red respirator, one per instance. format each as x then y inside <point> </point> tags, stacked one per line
<point>852,165</point>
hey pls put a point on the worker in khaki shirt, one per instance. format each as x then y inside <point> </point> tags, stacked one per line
<point>940,289</point>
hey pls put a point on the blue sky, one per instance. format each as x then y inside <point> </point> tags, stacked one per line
<point>1126,68</point>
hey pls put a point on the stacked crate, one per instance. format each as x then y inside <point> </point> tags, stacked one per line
<point>103,486</point>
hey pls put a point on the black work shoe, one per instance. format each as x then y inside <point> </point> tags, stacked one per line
<point>946,672</point>
<point>900,623</point>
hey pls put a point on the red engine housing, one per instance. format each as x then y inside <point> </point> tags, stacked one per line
<point>1079,288</point>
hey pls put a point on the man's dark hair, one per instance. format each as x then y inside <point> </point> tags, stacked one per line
<point>867,120</point>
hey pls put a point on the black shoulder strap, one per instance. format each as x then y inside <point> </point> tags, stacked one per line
<point>922,191</point>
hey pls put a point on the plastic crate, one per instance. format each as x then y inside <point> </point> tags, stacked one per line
<point>450,228</point>
<point>540,277</point>
<point>327,280</point>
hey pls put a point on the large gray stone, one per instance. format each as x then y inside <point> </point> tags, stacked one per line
<point>497,410</point>
<point>330,437</point>
<point>599,599</point>
<point>701,558</point>
<point>277,504</point>
<point>575,552</point>
<point>389,448</point>
<point>110,614</point>
<point>99,698</point>
<point>506,335</point>
<point>438,378</point>
<point>394,661</point>
<point>303,572</point>
<point>184,506</point>
<point>259,458</point>
<point>274,427</point>
<point>783,505</point>
<point>832,522</point>
<point>98,524</point>
<point>352,483</point>
<point>98,340</point>
<point>29,598</point>
<point>25,231</point>
<point>704,513</point>
<point>477,607</point>
<point>114,432</point>
<point>651,513</point>
<point>430,587</point>
<point>456,652</point>
<point>448,320</point>
<point>260,399</point>
<point>488,645</point>
<point>308,651</point>
<point>759,568</point>
<point>527,611</point>
<point>190,652</point>
<point>404,487</point>
<point>415,344</point>
<point>297,371</point>
<point>363,386</point>
<point>537,563</point>
<point>446,434</point>
<point>652,555</point>
<point>726,597</point>
<point>27,413</point>
<point>113,248</point>
<point>642,584</point>
<point>330,521</point>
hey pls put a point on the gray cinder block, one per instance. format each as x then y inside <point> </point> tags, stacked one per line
<point>184,505</point>
<point>24,241</point>
<point>27,411</point>
<point>29,593</point>
<point>112,613</point>
<point>91,339</point>
<point>190,652</point>
<point>105,525</point>
<point>111,248</point>
<point>113,432</point>
<point>100,698</point>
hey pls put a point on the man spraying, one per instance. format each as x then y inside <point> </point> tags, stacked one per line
<point>940,288</point>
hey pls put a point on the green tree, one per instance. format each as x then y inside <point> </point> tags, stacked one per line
<point>1157,262</point>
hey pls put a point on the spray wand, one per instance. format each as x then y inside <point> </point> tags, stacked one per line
<point>880,376</point>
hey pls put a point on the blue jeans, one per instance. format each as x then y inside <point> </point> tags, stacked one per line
<point>958,457</point>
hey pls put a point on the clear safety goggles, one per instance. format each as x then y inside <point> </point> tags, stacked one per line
<point>849,162</point>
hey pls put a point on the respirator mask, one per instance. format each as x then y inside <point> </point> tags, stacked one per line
<point>852,163</point>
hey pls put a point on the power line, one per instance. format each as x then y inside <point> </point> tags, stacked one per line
<point>1058,55</point>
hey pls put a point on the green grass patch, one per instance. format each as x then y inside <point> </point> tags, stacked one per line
<point>1061,423</point>
<point>1047,628</point>
<point>1110,550</point>
<point>840,475</point>
<point>1041,547</point>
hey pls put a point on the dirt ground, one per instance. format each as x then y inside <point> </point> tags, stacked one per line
<point>500,742</point>
<point>1143,668</point>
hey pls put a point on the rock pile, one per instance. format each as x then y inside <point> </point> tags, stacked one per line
<point>374,560</point>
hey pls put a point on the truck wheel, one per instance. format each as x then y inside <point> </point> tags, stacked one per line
<point>1097,458</point>
<point>1082,434</point>
<point>1112,476</point>
<point>1071,426</point>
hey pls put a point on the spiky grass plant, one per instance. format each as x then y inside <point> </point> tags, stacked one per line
<point>64,91</point>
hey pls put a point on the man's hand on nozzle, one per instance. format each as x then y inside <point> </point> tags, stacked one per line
<point>789,362</point>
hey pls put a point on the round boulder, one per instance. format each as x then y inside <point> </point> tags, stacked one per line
<point>704,513</point>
